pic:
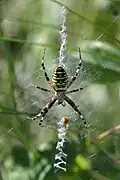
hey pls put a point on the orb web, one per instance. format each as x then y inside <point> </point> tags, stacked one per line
<point>85,78</point>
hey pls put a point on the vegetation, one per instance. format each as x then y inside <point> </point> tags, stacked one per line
<point>27,27</point>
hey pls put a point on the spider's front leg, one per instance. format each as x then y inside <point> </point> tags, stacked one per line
<point>44,111</point>
<point>73,105</point>
<point>53,85</point>
<point>43,66</point>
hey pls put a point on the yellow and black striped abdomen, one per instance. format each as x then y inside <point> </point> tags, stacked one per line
<point>60,77</point>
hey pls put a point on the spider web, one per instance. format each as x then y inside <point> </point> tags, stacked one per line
<point>30,100</point>
<point>24,80</point>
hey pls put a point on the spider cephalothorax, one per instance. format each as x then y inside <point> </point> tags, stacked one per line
<point>60,85</point>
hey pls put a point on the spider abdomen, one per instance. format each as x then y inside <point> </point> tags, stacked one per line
<point>60,77</point>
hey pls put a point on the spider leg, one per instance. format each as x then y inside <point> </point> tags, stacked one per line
<point>53,85</point>
<point>44,111</point>
<point>74,90</point>
<point>43,89</point>
<point>43,66</point>
<point>73,105</point>
<point>77,71</point>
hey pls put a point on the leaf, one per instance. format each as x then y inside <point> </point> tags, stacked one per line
<point>82,162</point>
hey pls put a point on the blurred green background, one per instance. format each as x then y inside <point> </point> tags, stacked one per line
<point>27,27</point>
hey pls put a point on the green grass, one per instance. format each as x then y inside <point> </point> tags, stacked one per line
<point>27,151</point>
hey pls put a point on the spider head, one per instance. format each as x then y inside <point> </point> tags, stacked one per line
<point>60,77</point>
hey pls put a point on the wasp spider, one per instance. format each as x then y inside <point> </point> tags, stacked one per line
<point>60,85</point>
